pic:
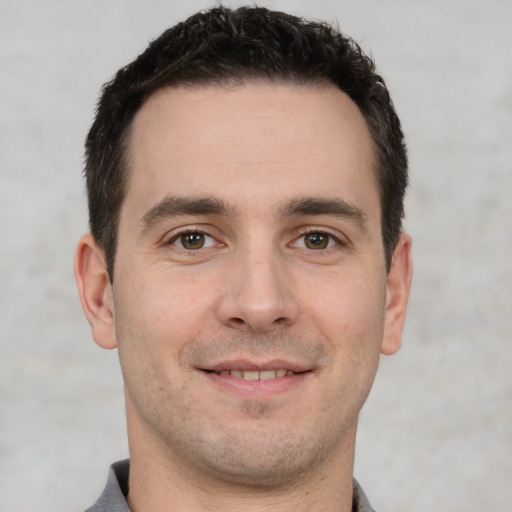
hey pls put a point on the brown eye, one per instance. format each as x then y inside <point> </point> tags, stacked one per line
<point>193,240</point>
<point>317,240</point>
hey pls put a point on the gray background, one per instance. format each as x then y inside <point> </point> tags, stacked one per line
<point>436,433</point>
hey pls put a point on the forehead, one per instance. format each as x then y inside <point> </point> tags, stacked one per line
<point>256,140</point>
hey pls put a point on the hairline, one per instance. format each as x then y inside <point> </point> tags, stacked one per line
<point>234,82</point>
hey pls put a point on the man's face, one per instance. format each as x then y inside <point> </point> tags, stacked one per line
<point>250,286</point>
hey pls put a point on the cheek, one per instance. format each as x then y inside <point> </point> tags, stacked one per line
<point>349,309</point>
<point>158,314</point>
<point>151,329</point>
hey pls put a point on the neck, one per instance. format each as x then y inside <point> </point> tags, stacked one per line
<point>160,482</point>
<point>156,488</point>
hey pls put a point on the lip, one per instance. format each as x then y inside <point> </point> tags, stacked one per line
<point>245,365</point>
<point>256,389</point>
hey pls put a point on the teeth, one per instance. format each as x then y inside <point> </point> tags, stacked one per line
<point>256,375</point>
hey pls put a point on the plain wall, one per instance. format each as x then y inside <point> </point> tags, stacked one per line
<point>436,433</point>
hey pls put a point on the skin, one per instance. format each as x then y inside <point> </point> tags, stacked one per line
<point>249,238</point>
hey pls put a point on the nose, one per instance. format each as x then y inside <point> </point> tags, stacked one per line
<point>257,295</point>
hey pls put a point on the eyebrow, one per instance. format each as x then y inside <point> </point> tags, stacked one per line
<point>322,206</point>
<point>171,206</point>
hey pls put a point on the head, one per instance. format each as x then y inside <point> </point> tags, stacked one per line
<point>249,170</point>
<point>225,47</point>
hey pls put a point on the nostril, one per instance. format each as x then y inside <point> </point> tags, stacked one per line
<point>280,320</point>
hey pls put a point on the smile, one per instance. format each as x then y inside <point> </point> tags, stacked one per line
<point>257,375</point>
<point>258,381</point>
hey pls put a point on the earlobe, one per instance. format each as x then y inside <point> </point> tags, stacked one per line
<point>95,291</point>
<point>398,287</point>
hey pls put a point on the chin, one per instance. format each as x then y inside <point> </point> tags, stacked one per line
<point>261,458</point>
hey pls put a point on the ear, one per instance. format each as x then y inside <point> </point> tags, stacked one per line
<point>398,287</point>
<point>95,291</point>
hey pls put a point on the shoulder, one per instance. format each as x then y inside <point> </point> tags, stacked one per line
<point>113,497</point>
<point>359,501</point>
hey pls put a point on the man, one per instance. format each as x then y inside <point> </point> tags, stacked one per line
<point>245,180</point>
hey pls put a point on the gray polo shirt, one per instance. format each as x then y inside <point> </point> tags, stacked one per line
<point>113,498</point>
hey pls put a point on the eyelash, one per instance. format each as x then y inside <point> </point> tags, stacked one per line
<point>323,232</point>
<point>185,232</point>
<point>331,238</point>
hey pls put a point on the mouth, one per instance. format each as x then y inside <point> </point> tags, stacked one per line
<point>256,374</point>
<point>250,381</point>
<point>258,378</point>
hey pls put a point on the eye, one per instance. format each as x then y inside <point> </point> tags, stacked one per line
<point>193,240</point>
<point>316,240</point>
